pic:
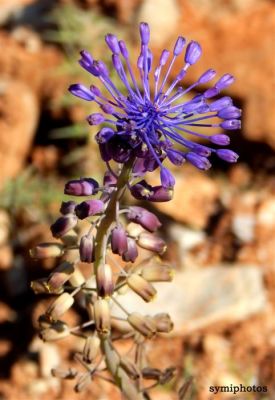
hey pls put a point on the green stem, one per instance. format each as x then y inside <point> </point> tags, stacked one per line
<point>122,380</point>
<point>110,215</point>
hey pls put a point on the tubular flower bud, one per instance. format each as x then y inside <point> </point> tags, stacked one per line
<point>143,217</point>
<point>70,373</point>
<point>151,373</point>
<point>140,286</point>
<point>119,240</point>
<point>89,208</point>
<point>163,323</point>
<point>104,279</point>
<point>86,249</point>
<point>40,286</point>
<point>167,375</point>
<point>58,330</point>
<point>60,306</point>
<point>130,368</point>
<point>102,317</point>
<point>142,324</point>
<point>132,252</point>
<point>81,187</point>
<point>160,194</point>
<point>77,279</point>
<point>63,225</point>
<point>157,273</point>
<point>47,250</point>
<point>151,242</point>
<point>67,207</point>
<point>91,349</point>
<point>60,373</point>
<point>60,276</point>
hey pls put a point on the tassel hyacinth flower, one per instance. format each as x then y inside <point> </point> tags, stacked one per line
<point>141,128</point>
<point>152,114</point>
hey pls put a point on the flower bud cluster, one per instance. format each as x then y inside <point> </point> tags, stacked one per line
<point>130,230</point>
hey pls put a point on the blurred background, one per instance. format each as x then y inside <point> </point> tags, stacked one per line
<point>220,226</point>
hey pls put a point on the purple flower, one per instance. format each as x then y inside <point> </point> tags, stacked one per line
<point>153,114</point>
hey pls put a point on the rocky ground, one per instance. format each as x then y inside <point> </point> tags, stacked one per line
<point>220,225</point>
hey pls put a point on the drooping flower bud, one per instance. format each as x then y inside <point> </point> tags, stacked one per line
<point>102,317</point>
<point>77,278</point>
<point>140,286</point>
<point>163,322</point>
<point>40,286</point>
<point>151,242</point>
<point>91,349</point>
<point>63,225</point>
<point>104,135</point>
<point>86,249</point>
<point>88,208</point>
<point>81,187</point>
<point>167,179</point>
<point>47,250</point>
<point>60,306</point>
<point>143,217</point>
<point>119,240</point>
<point>60,373</point>
<point>157,272</point>
<point>104,279</point>
<point>56,331</point>
<point>67,207</point>
<point>160,194</point>
<point>151,373</point>
<point>144,325</point>
<point>132,251</point>
<point>60,276</point>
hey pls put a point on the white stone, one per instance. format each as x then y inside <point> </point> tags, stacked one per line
<point>200,297</point>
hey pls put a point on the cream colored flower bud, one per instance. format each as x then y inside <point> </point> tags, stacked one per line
<point>47,250</point>
<point>91,349</point>
<point>151,242</point>
<point>102,316</point>
<point>60,373</point>
<point>144,325</point>
<point>57,330</point>
<point>140,286</point>
<point>130,368</point>
<point>40,286</point>
<point>77,279</point>
<point>104,280</point>
<point>157,273</point>
<point>60,306</point>
<point>163,322</point>
<point>60,276</point>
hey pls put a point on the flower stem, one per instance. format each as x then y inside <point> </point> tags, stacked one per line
<point>122,380</point>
